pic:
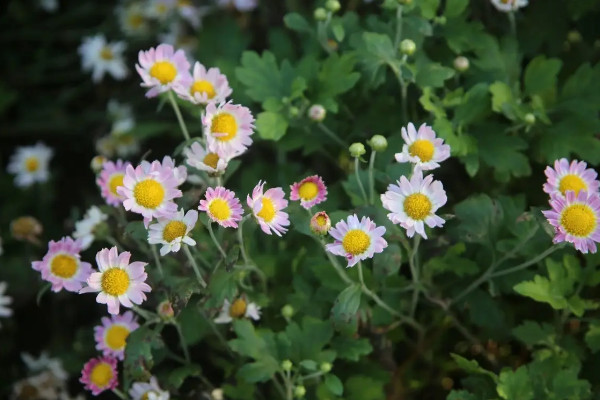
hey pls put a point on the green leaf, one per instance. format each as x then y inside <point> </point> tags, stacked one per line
<point>461,395</point>
<point>502,153</point>
<point>351,348</point>
<point>297,22</point>
<point>454,8</point>
<point>271,125</point>
<point>263,78</point>
<point>138,352</point>
<point>338,31</point>
<point>540,289</point>
<point>136,230</point>
<point>452,262</point>
<point>334,384</point>
<point>336,76</point>
<point>429,8</point>
<point>433,74</point>
<point>541,77</point>
<point>364,388</point>
<point>566,385</point>
<point>310,365</point>
<point>258,371</point>
<point>347,303</point>
<point>532,333</point>
<point>592,337</point>
<point>376,50</point>
<point>515,385</point>
<point>472,366</point>
<point>180,374</point>
<point>477,214</point>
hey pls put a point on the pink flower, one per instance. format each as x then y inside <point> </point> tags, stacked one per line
<point>100,374</point>
<point>110,179</point>
<point>357,240</point>
<point>162,69</point>
<point>205,86</point>
<point>111,336</point>
<point>267,209</point>
<point>228,127</point>
<point>572,176</point>
<point>310,191</point>
<point>222,207</point>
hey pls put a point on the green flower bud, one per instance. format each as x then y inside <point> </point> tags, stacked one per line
<point>325,367</point>
<point>287,311</point>
<point>408,47</point>
<point>333,5</point>
<point>165,310</point>
<point>299,391</point>
<point>378,143</point>
<point>461,63</point>
<point>286,365</point>
<point>529,119</point>
<point>320,14</point>
<point>574,37</point>
<point>294,111</point>
<point>357,149</point>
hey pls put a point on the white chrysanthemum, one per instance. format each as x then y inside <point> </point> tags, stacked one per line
<point>160,9</point>
<point>5,302</point>
<point>240,308</point>
<point>30,164</point>
<point>509,5</point>
<point>84,229</point>
<point>132,19</point>
<point>148,391</point>
<point>45,363</point>
<point>101,57</point>
<point>172,232</point>
<point>210,160</point>
<point>422,148</point>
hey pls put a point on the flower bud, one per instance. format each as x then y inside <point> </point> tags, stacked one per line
<point>165,310</point>
<point>461,63</point>
<point>529,119</point>
<point>325,367</point>
<point>320,223</point>
<point>317,113</point>
<point>26,228</point>
<point>447,383</point>
<point>286,365</point>
<point>320,14</point>
<point>294,111</point>
<point>408,47</point>
<point>333,5</point>
<point>287,311</point>
<point>299,391</point>
<point>217,394</point>
<point>574,37</point>
<point>357,149</point>
<point>378,143</point>
<point>97,163</point>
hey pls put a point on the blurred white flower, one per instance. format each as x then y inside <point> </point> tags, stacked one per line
<point>49,5</point>
<point>5,301</point>
<point>132,19</point>
<point>238,309</point>
<point>240,5</point>
<point>30,164</point>
<point>509,5</point>
<point>45,363</point>
<point>101,57</point>
<point>85,228</point>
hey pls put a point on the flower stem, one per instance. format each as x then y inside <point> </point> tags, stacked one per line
<point>371,177</point>
<point>119,394</point>
<point>513,23</point>
<point>187,252</point>
<point>216,242</point>
<point>182,125</point>
<point>157,260</point>
<point>414,269</point>
<point>526,264</point>
<point>240,235</point>
<point>360,185</point>
<point>332,135</point>
<point>398,28</point>
<point>186,352</point>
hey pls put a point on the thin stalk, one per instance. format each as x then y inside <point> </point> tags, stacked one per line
<point>332,135</point>
<point>119,394</point>
<point>186,352</point>
<point>190,257</point>
<point>371,177</point>
<point>360,185</point>
<point>414,269</point>
<point>182,125</point>
<point>157,259</point>
<point>398,28</point>
<point>216,242</point>
<point>513,23</point>
<point>526,264</point>
<point>147,315</point>
<point>313,375</point>
<point>240,235</point>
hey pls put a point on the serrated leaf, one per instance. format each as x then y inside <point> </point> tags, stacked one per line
<point>541,78</point>
<point>472,366</point>
<point>350,348</point>
<point>347,303</point>
<point>515,385</point>
<point>138,352</point>
<point>258,371</point>
<point>532,333</point>
<point>271,126</point>
<point>454,8</point>
<point>262,76</point>
<point>180,374</point>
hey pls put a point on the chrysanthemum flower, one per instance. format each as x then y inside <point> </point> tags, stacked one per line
<point>100,374</point>
<point>101,57</point>
<point>5,301</point>
<point>110,179</point>
<point>576,219</point>
<point>119,282</point>
<point>222,207</point>
<point>320,223</point>
<point>310,191</point>
<point>150,193</point>
<point>209,160</point>
<point>111,336</point>
<point>356,240</point>
<point>30,164</point>
<point>45,363</point>
<point>148,391</point>
<point>189,13</point>
<point>62,266</point>
<point>240,308</point>
<point>240,5</point>
<point>132,19</point>
<point>422,148</point>
<point>267,209</point>
<point>172,232</point>
<point>160,9</point>
<point>205,86</point>
<point>509,5</point>
<point>179,173</point>
<point>414,203</point>
<point>228,127</point>
<point>84,229</point>
<point>572,176</point>
<point>162,68</point>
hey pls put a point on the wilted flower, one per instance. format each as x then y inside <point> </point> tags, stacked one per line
<point>26,228</point>
<point>320,223</point>
<point>165,309</point>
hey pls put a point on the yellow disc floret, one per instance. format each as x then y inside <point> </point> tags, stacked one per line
<point>135,20</point>
<point>101,374</point>
<point>116,336</point>
<point>164,71</point>
<point>267,212</point>
<point>203,87</point>
<point>226,124</point>
<point>571,182</point>
<point>149,193</point>
<point>308,190</point>
<point>578,220</point>
<point>115,281</point>
<point>174,230</point>
<point>32,164</point>
<point>63,265</point>
<point>417,206</point>
<point>238,308</point>
<point>356,242</point>
<point>422,149</point>
<point>219,209</point>
<point>106,53</point>
<point>211,159</point>
<point>321,220</point>
<point>115,181</point>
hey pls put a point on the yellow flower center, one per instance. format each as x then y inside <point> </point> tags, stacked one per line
<point>578,220</point>
<point>116,336</point>
<point>321,220</point>
<point>135,20</point>
<point>184,3</point>
<point>115,181</point>
<point>422,149</point>
<point>101,374</point>
<point>146,395</point>
<point>219,209</point>
<point>211,159</point>
<point>267,212</point>
<point>571,182</point>
<point>203,87</point>
<point>308,190</point>
<point>238,308</point>
<point>356,242</point>
<point>164,71</point>
<point>174,230</point>
<point>417,206</point>
<point>106,53</point>
<point>115,281</point>
<point>224,123</point>
<point>149,193</point>
<point>32,164</point>
<point>63,265</point>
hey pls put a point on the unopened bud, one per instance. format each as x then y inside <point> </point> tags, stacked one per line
<point>217,394</point>
<point>333,5</point>
<point>325,367</point>
<point>287,311</point>
<point>294,111</point>
<point>26,228</point>
<point>461,63</point>
<point>97,163</point>
<point>286,365</point>
<point>320,14</point>
<point>165,310</point>
<point>378,143</point>
<point>320,223</point>
<point>357,149</point>
<point>317,113</point>
<point>408,47</point>
<point>299,391</point>
<point>447,383</point>
<point>574,37</point>
<point>529,119</point>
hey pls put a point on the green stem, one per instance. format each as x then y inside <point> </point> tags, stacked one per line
<point>288,386</point>
<point>360,185</point>
<point>332,135</point>
<point>414,269</point>
<point>182,125</point>
<point>240,235</point>
<point>513,23</point>
<point>215,241</point>
<point>119,394</point>
<point>526,264</point>
<point>190,257</point>
<point>147,315</point>
<point>184,347</point>
<point>157,259</point>
<point>313,375</point>
<point>371,177</point>
<point>398,28</point>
